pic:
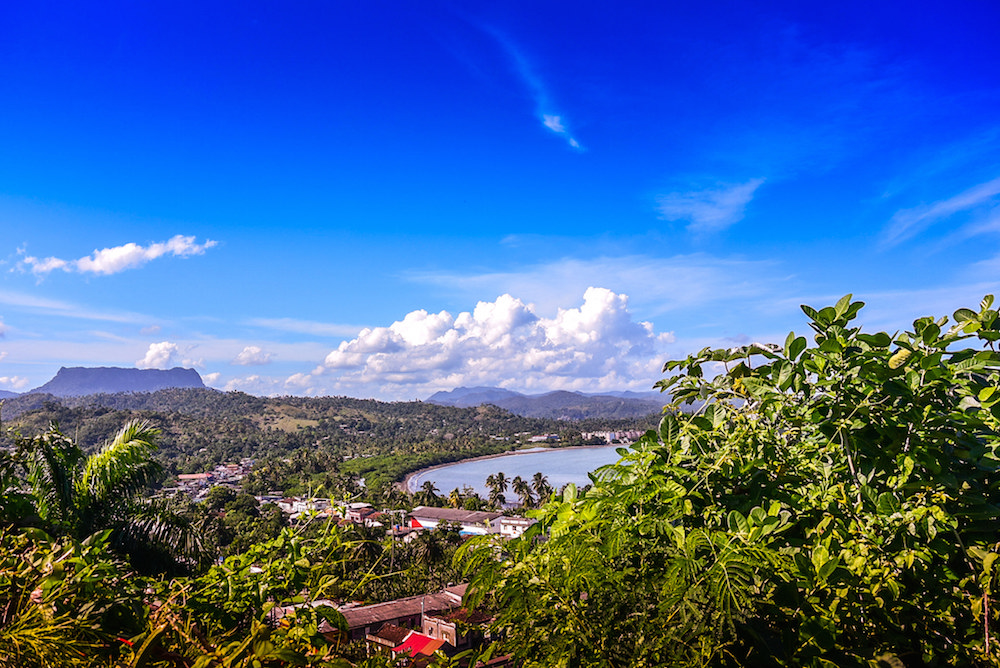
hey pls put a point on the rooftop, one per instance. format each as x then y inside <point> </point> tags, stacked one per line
<point>454,515</point>
<point>371,615</point>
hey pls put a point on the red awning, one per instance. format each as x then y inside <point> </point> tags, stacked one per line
<point>418,643</point>
<point>414,524</point>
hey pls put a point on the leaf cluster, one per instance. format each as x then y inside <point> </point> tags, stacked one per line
<point>832,502</point>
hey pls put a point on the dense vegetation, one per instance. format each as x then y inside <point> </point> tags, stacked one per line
<point>92,573</point>
<point>827,504</point>
<point>351,438</point>
<point>833,504</point>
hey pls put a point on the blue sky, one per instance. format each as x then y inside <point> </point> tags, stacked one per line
<point>388,199</point>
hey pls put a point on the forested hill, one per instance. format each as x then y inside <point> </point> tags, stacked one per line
<point>380,440</point>
<point>560,405</point>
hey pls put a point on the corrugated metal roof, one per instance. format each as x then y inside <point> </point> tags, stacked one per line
<point>454,515</point>
<point>375,614</point>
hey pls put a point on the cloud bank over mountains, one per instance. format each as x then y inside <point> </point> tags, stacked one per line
<point>505,343</point>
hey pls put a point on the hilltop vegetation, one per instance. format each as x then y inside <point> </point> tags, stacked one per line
<point>379,441</point>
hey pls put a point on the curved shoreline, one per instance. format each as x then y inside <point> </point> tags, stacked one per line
<point>405,484</point>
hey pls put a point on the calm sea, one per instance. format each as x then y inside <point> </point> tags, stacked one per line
<point>559,465</point>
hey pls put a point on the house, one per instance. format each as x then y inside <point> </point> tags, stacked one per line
<point>471,521</point>
<point>388,636</point>
<point>358,512</point>
<point>456,627</point>
<point>296,505</point>
<point>406,612</point>
<point>513,527</point>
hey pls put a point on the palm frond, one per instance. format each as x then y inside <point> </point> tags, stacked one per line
<point>53,463</point>
<point>123,468</point>
<point>149,526</point>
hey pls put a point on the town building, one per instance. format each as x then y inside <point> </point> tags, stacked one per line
<point>514,527</point>
<point>471,522</point>
<point>407,612</point>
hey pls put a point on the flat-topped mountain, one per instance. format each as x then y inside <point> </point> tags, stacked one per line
<point>78,381</point>
<point>559,404</point>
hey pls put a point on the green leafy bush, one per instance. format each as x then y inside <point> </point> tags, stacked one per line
<point>833,503</point>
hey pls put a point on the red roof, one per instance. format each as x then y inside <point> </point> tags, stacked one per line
<point>418,643</point>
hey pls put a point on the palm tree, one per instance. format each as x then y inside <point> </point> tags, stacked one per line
<point>502,481</point>
<point>428,493</point>
<point>79,495</point>
<point>455,498</point>
<point>497,498</point>
<point>523,490</point>
<point>393,496</point>
<point>498,485</point>
<point>540,484</point>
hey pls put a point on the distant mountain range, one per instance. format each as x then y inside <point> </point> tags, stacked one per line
<point>558,405</point>
<point>78,381</point>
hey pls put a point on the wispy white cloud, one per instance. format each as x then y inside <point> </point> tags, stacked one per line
<point>35,304</point>
<point>656,284</point>
<point>3,355</point>
<point>907,223</point>
<point>306,326</point>
<point>710,210</point>
<point>107,261</point>
<point>151,330</point>
<point>544,108</point>
<point>253,356</point>
<point>3,330</point>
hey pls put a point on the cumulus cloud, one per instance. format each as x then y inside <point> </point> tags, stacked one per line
<point>709,210</point>
<point>165,355</point>
<point>107,261</point>
<point>14,382</point>
<point>595,346</point>
<point>253,356</point>
<point>159,356</point>
<point>211,378</point>
<point>910,222</point>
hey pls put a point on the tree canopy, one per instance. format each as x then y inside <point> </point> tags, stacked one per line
<point>829,503</point>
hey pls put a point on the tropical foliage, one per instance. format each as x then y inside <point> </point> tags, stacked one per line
<point>70,493</point>
<point>833,503</point>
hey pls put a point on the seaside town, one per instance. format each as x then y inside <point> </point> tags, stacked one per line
<point>410,629</point>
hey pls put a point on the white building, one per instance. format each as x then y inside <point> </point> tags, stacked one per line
<point>513,527</point>
<point>471,521</point>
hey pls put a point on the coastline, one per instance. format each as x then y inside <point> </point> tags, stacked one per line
<point>405,484</point>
